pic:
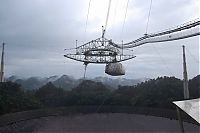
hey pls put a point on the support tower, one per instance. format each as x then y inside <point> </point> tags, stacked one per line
<point>2,64</point>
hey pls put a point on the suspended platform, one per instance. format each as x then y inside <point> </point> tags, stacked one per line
<point>104,51</point>
<point>99,51</point>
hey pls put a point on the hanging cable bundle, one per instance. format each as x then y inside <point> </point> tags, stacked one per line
<point>148,17</point>
<point>125,17</point>
<point>108,12</point>
<point>86,23</point>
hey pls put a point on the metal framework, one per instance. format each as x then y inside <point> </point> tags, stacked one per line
<point>106,51</point>
<point>100,51</point>
<point>183,31</point>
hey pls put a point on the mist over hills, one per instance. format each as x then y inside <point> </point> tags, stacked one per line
<point>68,82</point>
<point>154,93</point>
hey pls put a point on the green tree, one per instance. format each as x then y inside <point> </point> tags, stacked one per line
<point>158,92</point>
<point>49,95</point>
<point>88,93</point>
<point>13,98</point>
<point>194,87</point>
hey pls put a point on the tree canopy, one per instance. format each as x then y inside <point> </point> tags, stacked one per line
<point>157,93</point>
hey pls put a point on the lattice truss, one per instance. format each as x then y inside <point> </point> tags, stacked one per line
<point>100,50</point>
<point>106,51</point>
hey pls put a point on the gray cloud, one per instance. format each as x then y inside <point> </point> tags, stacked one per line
<point>37,31</point>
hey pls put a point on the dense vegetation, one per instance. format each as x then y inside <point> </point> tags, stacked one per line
<point>158,93</point>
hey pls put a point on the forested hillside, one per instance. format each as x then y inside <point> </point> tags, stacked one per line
<point>157,93</point>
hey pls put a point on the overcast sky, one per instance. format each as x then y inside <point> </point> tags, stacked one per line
<point>36,33</point>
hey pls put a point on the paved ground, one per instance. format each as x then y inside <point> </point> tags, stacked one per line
<point>106,123</point>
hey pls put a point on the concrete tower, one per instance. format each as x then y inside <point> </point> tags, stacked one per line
<point>185,77</point>
<point>2,64</point>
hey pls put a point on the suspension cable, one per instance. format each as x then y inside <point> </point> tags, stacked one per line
<point>194,58</point>
<point>69,48</point>
<point>115,10</point>
<point>177,29</point>
<point>108,12</point>
<point>167,69</point>
<point>125,17</point>
<point>86,23</point>
<point>148,17</point>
